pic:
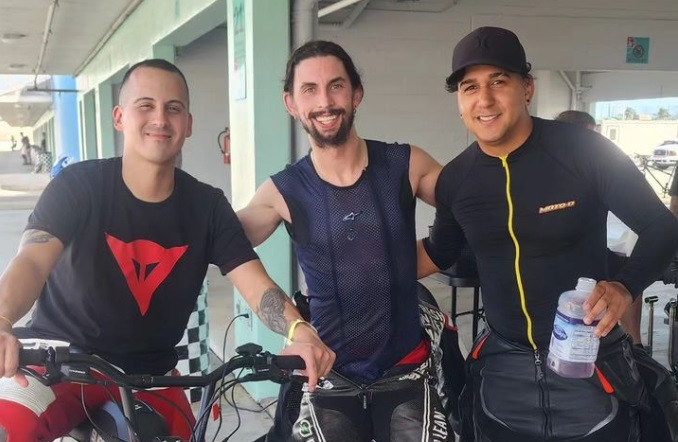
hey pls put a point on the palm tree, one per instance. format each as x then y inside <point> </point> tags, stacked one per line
<point>663,114</point>
<point>630,114</point>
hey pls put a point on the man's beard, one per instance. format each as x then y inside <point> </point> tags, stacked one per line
<point>339,137</point>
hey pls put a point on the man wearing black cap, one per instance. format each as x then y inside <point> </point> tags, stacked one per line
<point>532,196</point>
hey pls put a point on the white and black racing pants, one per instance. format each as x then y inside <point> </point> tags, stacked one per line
<point>402,407</point>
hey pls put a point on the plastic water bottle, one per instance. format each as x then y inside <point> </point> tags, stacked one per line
<point>574,347</point>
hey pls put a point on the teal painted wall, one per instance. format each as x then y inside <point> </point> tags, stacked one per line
<point>162,24</point>
<point>87,116</point>
<point>154,22</point>
<point>260,141</point>
<point>104,119</point>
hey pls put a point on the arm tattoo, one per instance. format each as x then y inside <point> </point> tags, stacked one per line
<point>36,237</point>
<point>271,310</point>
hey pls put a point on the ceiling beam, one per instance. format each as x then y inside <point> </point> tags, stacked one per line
<point>45,37</point>
<point>357,10</point>
<point>341,4</point>
<point>131,6</point>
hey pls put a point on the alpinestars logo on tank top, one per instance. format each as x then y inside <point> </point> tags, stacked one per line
<point>145,265</point>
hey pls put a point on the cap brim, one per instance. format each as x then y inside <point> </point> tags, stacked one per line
<point>457,75</point>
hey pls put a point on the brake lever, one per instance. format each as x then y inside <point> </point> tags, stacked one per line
<point>45,379</point>
<point>297,378</point>
<point>273,374</point>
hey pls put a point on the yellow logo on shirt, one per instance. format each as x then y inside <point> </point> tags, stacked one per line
<point>558,206</point>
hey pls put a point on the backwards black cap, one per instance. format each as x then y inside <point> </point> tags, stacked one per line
<point>487,45</point>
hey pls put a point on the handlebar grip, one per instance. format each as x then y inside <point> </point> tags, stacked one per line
<point>32,356</point>
<point>291,362</point>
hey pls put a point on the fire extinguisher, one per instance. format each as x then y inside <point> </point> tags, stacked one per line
<point>224,143</point>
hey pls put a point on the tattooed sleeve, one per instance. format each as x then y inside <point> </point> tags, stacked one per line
<point>271,310</point>
<point>36,237</point>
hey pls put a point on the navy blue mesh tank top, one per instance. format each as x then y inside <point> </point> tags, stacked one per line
<point>356,247</point>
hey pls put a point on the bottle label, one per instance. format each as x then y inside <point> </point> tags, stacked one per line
<point>572,340</point>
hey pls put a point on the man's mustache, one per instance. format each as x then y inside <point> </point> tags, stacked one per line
<point>333,112</point>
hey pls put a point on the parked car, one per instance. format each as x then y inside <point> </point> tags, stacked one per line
<point>665,155</point>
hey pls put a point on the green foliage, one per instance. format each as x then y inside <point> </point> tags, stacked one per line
<point>630,114</point>
<point>663,114</point>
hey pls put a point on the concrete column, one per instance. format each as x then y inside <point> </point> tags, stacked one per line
<point>65,118</point>
<point>258,47</point>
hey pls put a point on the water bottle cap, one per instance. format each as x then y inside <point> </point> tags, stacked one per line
<point>585,285</point>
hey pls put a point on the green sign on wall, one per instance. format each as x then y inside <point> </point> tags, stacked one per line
<point>637,49</point>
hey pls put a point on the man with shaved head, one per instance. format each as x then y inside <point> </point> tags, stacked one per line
<point>115,253</point>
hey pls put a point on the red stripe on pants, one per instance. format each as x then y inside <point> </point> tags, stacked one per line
<point>66,412</point>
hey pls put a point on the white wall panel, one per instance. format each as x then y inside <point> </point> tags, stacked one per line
<point>203,62</point>
<point>552,94</point>
<point>404,58</point>
<point>608,86</point>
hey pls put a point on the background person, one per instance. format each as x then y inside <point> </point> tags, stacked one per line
<point>25,149</point>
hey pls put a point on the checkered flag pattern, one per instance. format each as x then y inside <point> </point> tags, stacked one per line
<point>193,349</point>
<point>45,161</point>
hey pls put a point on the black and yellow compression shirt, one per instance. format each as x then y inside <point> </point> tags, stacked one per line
<point>536,221</point>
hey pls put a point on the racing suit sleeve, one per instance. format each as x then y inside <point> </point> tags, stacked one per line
<point>627,194</point>
<point>446,237</point>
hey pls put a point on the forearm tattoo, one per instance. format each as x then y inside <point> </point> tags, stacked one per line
<point>271,310</point>
<point>36,237</point>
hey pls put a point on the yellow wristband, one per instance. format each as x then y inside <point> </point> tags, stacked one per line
<point>293,327</point>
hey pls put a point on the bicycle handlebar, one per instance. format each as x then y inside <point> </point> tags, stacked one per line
<point>34,356</point>
<point>55,358</point>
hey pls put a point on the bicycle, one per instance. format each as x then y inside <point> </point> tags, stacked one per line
<point>63,363</point>
<point>646,166</point>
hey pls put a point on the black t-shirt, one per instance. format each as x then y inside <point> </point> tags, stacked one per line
<point>563,181</point>
<point>130,271</point>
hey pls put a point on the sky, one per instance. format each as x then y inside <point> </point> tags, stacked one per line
<point>649,106</point>
<point>10,82</point>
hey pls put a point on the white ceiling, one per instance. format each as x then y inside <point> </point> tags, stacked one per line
<point>76,28</point>
<point>79,27</point>
<point>58,37</point>
<point>345,12</point>
<point>55,37</point>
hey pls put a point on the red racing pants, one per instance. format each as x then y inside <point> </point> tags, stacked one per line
<point>40,413</point>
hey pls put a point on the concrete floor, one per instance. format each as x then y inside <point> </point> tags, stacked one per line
<point>19,191</point>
